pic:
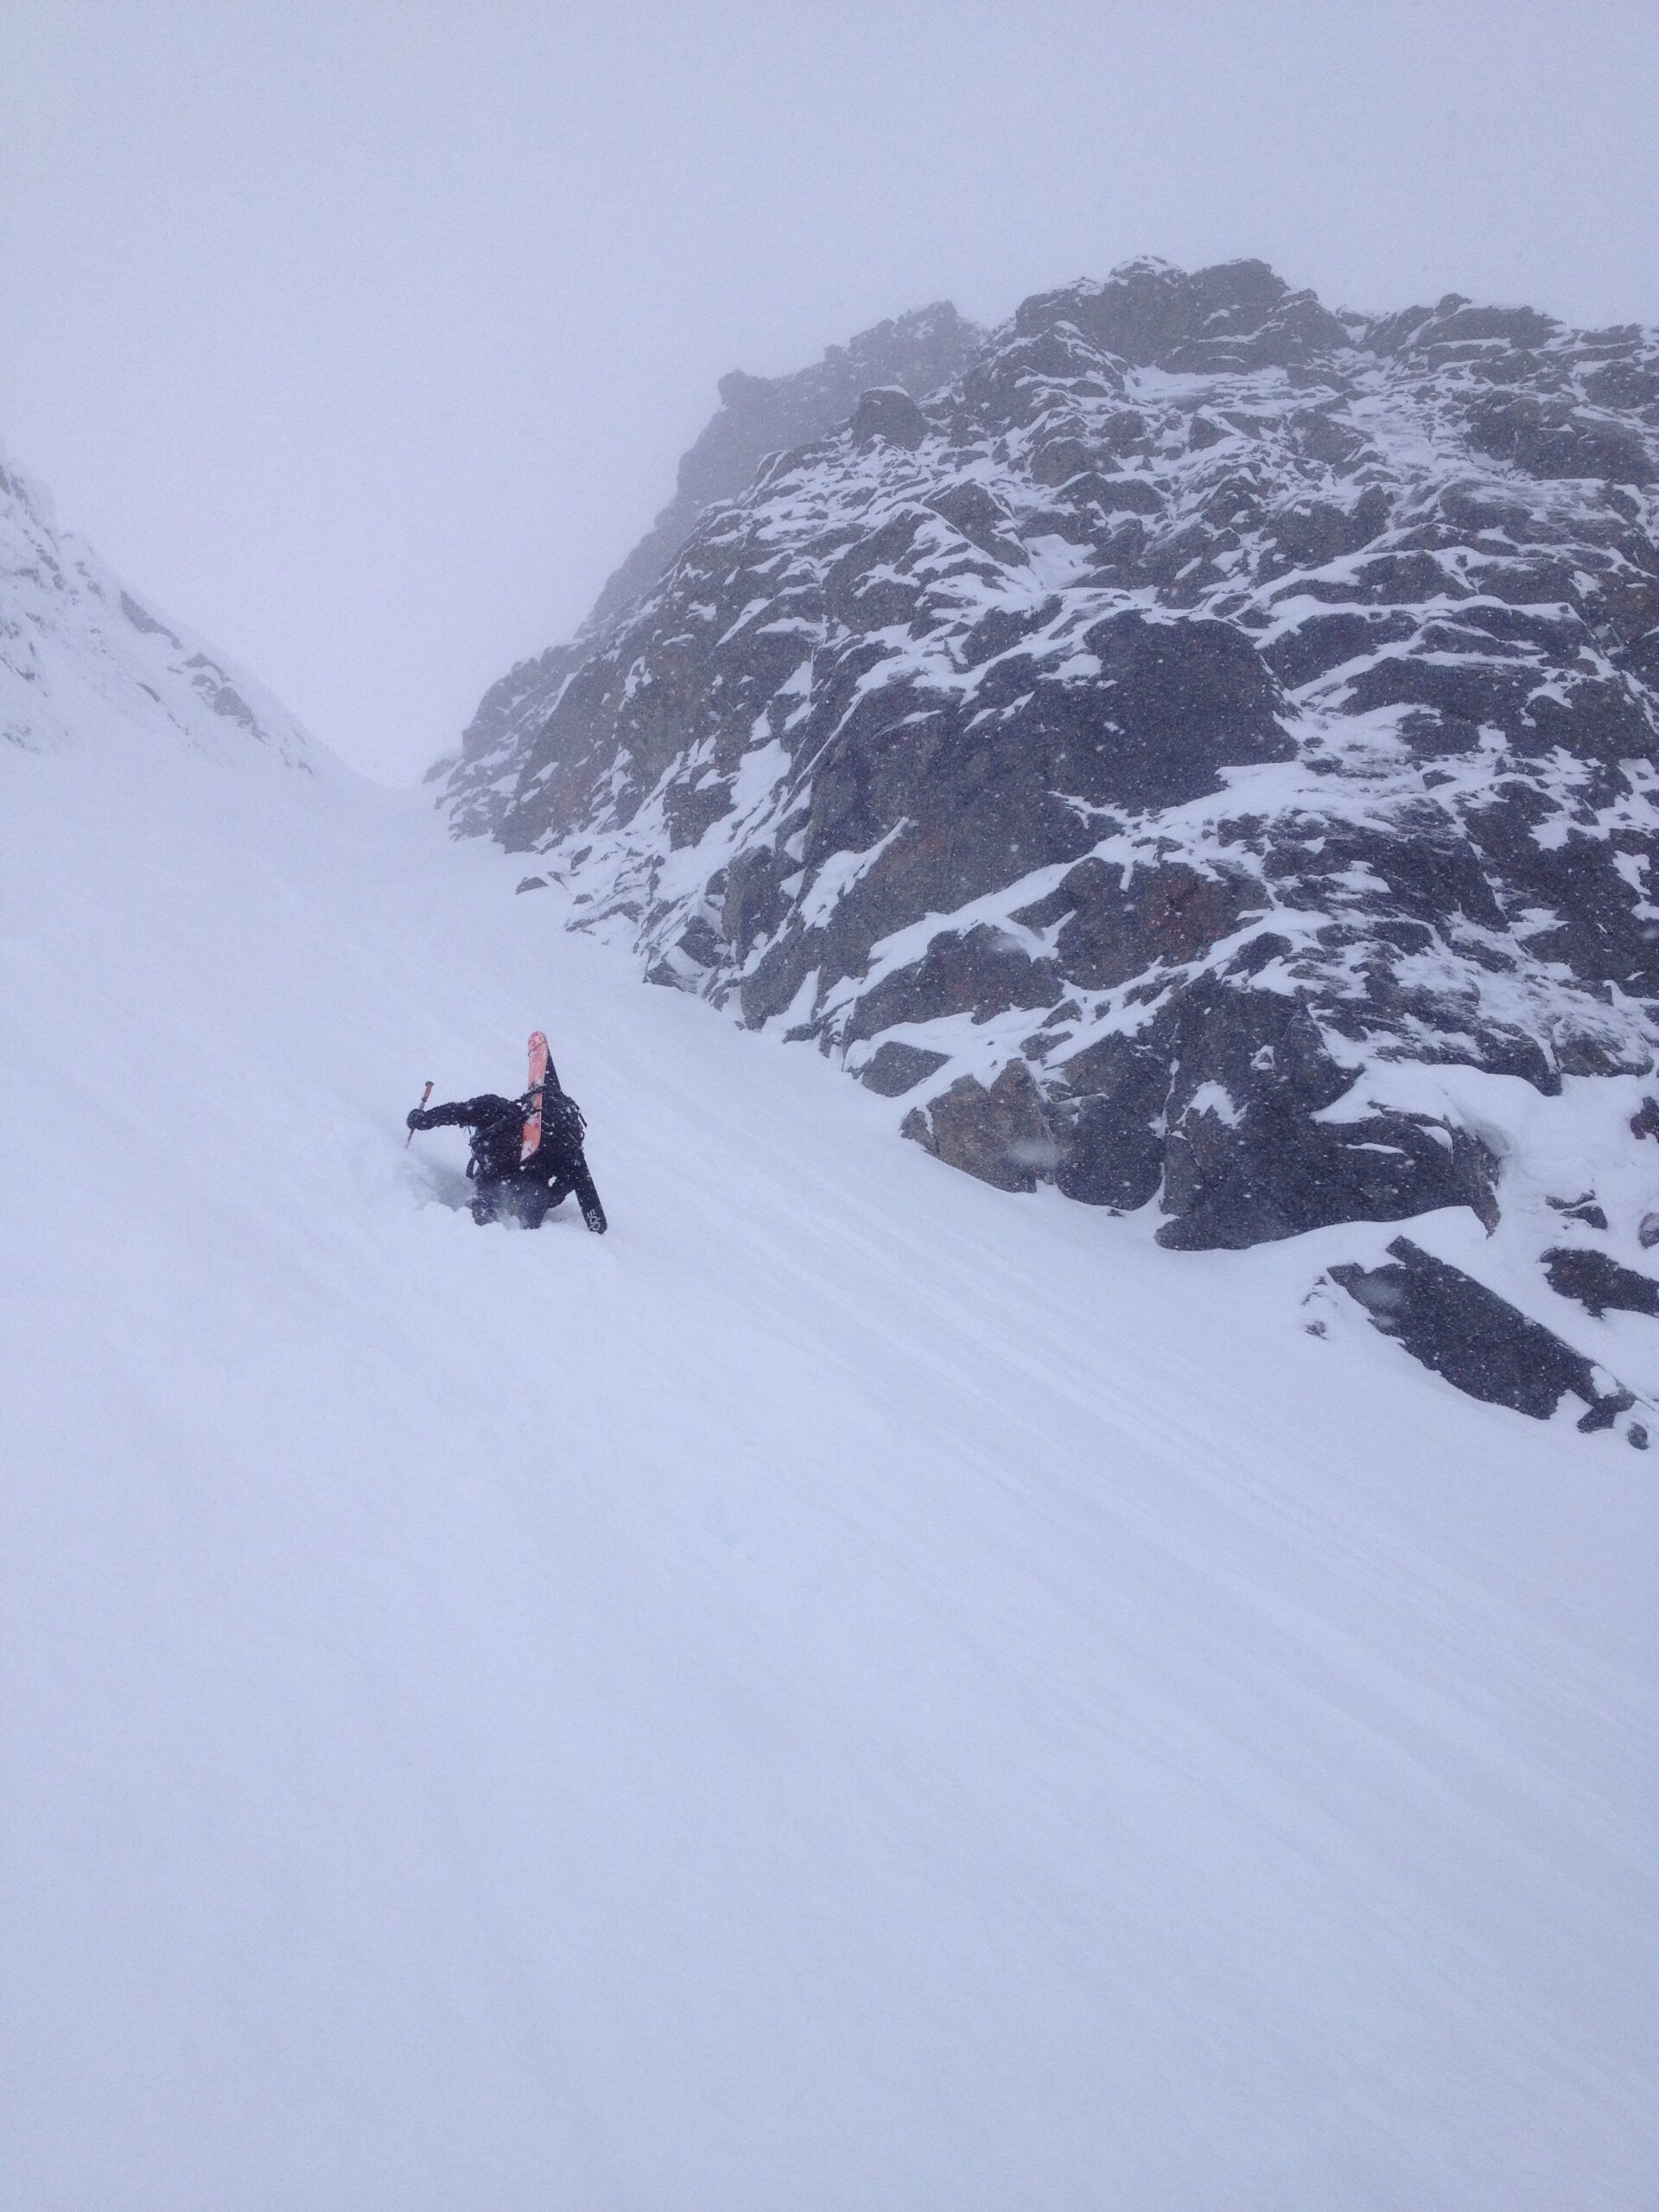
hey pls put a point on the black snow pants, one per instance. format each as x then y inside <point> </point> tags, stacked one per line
<point>523,1199</point>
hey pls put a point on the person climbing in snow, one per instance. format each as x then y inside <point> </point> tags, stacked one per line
<point>507,1187</point>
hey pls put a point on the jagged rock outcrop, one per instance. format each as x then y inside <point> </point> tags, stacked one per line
<point>1133,754</point>
<point>913,355</point>
<point>757,417</point>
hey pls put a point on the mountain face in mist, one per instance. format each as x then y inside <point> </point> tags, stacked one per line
<point>78,650</point>
<point>1173,757</point>
<point>757,417</point>
<point>761,416</point>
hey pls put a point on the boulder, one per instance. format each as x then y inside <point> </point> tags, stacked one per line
<point>894,1068</point>
<point>1251,1154</point>
<point>890,414</point>
<point>1478,1341</point>
<point>1000,1134</point>
<point>1598,1282</point>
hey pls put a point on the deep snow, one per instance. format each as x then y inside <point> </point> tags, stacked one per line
<point>853,1691</point>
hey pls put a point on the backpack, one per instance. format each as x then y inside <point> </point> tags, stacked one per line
<point>562,1130</point>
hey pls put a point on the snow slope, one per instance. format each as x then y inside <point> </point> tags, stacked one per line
<point>853,1691</point>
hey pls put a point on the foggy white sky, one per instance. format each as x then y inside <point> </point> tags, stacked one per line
<point>365,337</point>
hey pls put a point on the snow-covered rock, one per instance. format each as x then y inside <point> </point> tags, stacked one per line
<point>78,647</point>
<point>757,417</point>
<point>1141,755</point>
<point>913,355</point>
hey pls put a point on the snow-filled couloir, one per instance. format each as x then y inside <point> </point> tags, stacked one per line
<point>1202,755</point>
<point>847,1692</point>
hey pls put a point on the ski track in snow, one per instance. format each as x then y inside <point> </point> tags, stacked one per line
<point>853,1691</point>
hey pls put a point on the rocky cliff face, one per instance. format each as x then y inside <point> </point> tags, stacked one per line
<point>757,418</point>
<point>1175,758</point>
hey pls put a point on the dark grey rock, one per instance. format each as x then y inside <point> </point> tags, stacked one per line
<point>1598,1281</point>
<point>1000,1134</point>
<point>1178,703</point>
<point>701,942</point>
<point>1247,1161</point>
<point>888,413</point>
<point>690,810</point>
<point>1110,1117</point>
<point>1115,925</point>
<point>1584,1210</point>
<point>1476,1339</point>
<point>981,973</point>
<point>894,1068</point>
<point>1546,438</point>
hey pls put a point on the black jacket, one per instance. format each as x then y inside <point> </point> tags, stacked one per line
<point>498,1134</point>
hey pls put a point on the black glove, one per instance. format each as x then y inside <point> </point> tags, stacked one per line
<point>417,1120</point>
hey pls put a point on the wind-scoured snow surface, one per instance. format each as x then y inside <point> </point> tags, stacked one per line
<point>852,1691</point>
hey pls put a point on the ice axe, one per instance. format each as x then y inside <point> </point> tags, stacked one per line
<point>425,1094</point>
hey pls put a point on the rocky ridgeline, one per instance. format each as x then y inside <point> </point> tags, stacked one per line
<point>78,650</point>
<point>1179,749</point>
<point>757,417</point>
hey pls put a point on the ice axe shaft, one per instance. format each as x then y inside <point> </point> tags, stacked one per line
<point>425,1094</point>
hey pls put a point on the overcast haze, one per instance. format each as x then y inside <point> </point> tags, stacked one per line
<point>366,338</point>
